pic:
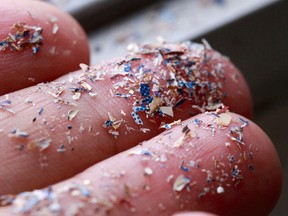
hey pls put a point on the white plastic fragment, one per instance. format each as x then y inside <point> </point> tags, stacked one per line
<point>84,67</point>
<point>72,114</point>
<point>86,86</point>
<point>148,171</point>
<point>41,144</point>
<point>220,189</point>
<point>180,183</point>
<point>76,96</point>
<point>168,110</point>
<point>93,94</point>
<point>55,28</point>
<point>169,178</point>
<point>224,119</point>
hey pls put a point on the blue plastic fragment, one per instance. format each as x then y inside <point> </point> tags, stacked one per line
<point>108,123</point>
<point>137,118</point>
<point>146,152</point>
<point>35,49</point>
<point>144,89</point>
<point>127,67</point>
<point>139,108</point>
<point>186,169</point>
<point>189,84</point>
<point>196,122</point>
<point>140,67</point>
<point>244,121</point>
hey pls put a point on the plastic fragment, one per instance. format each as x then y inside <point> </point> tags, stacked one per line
<point>220,190</point>
<point>223,119</point>
<point>180,183</point>
<point>72,114</point>
<point>148,171</point>
<point>41,144</point>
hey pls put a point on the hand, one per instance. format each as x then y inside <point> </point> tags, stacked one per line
<point>76,139</point>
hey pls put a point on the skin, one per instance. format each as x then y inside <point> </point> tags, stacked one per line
<point>59,49</point>
<point>92,158</point>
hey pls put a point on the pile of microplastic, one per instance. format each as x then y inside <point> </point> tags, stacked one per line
<point>21,36</point>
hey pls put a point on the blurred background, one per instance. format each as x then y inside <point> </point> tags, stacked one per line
<point>253,33</point>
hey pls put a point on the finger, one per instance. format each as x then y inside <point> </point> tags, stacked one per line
<point>63,47</point>
<point>199,165</point>
<point>64,120</point>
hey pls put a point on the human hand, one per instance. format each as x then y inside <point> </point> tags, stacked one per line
<point>53,132</point>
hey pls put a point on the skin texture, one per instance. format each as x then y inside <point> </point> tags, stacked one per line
<point>117,177</point>
<point>56,57</point>
<point>122,186</point>
<point>93,143</point>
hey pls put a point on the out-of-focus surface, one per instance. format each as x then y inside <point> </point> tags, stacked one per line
<point>173,20</point>
<point>253,33</point>
<point>95,13</point>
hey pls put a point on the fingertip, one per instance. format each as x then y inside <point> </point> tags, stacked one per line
<point>236,83</point>
<point>242,151</point>
<point>206,163</point>
<point>199,165</point>
<point>209,166</point>
<point>64,45</point>
<point>252,163</point>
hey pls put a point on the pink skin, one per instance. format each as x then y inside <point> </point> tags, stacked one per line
<point>91,145</point>
<point>122,186</point>
<point>56,56</point>
<point>26,169</point>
